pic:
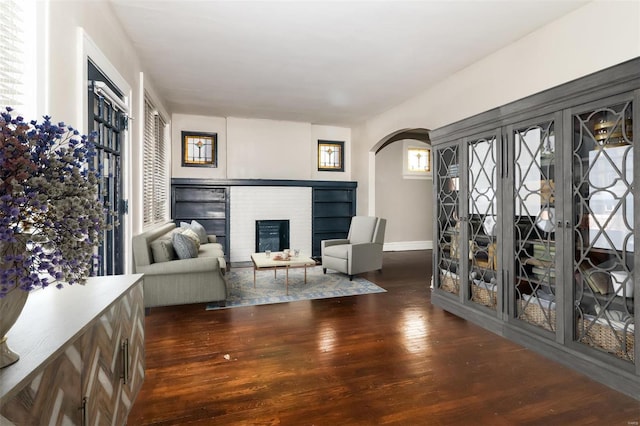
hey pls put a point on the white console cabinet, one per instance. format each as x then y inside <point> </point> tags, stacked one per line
<point>81,355</point>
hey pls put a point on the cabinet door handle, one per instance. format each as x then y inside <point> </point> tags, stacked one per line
<point>125,361</point>
<point>505,154</point>
<point>83,412</point>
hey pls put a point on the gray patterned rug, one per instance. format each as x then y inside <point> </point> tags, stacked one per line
<point>269,290</point>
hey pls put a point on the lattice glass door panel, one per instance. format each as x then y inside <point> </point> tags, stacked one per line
<point>108,121</point>
<point>482,201</point>
<point>602,229</point>
<point>448,228</point>
<point>534,281</point>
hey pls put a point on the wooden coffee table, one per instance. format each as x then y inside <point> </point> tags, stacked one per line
<point>261,261</point>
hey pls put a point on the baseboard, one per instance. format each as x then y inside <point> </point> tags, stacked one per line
<point>408,245</point>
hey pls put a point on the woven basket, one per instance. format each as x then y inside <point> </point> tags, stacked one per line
<point>449,284</point>
<point>602,336</point>
<point>483,296</point>
<point>533,314</point>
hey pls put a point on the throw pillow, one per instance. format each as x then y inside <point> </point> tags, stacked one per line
<point>198,229</point>
<point>191,234</point>
<point>162,250</point>
<point>184,246</point>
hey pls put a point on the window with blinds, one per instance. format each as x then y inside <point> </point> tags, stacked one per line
<point>11,56</point>
<point>155,167</point>
<point>17,70</point>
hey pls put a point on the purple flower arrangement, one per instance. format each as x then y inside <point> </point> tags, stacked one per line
<point>49,204</point>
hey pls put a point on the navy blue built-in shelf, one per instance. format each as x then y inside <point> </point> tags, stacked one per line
<point>207,201</point>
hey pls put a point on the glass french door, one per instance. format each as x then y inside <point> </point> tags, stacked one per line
<point>107,117</point>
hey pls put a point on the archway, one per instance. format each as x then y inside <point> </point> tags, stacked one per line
<point>419,134</point>
<point>389,186</point>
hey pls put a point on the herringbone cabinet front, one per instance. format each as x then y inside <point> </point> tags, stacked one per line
<point>95,379</point>
<point>113,361</point>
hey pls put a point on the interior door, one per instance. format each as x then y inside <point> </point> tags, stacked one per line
<point>108,118</point>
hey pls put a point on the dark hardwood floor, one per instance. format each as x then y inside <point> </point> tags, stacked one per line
<point>387,358</point>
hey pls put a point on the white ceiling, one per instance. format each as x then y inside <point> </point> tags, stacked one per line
<point>323,62</point>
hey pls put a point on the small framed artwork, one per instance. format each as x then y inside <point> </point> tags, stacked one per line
<point>199,149</point>
<point>330,156</point>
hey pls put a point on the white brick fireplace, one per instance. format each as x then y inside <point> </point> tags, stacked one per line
<point>251,203</point>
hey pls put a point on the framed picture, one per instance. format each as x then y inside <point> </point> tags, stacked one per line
<point>199,149</point>
<point>330,156</point>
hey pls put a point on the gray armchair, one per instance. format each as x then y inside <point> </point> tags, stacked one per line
<point>360,252</point>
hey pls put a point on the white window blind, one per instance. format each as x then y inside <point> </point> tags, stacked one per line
<point>161,181</point>
<point>17,77</point>
<point>155,180</point>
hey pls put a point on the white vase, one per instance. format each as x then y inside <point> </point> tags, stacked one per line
<point>10,308</point>
<point>11,305</point>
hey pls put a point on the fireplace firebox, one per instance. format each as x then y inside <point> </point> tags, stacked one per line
<point>272,235</point>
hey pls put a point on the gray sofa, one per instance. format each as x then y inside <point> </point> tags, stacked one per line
<point>179,281</point>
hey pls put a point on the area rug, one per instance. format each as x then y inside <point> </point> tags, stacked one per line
<point>269,290</point>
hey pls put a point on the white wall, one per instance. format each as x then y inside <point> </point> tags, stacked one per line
<point>594,37</point>
<point>198,123</point>
<point>330,133</point>
<point>259,149</point>
<point>64,79</point>
<point>268,149</point>
<point>77,28</point>
<point>406,203</point>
